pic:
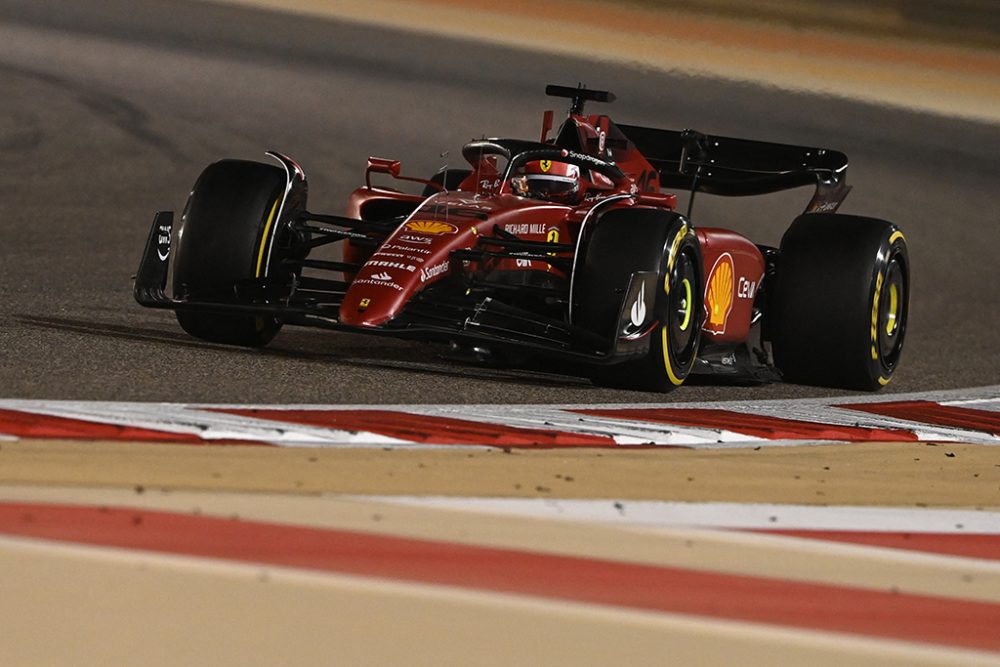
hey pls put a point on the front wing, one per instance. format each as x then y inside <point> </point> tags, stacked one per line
<point>485,321</point>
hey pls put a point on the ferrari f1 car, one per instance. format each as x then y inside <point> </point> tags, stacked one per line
<point>566,247</point>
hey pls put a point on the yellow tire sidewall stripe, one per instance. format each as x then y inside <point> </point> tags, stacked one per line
<point>265,235</point>
<point>674,247</point>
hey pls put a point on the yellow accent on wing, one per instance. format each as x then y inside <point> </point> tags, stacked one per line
<point>666,359</point>
<point>264,237</point>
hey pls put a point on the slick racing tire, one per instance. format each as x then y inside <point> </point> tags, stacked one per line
<point>225,235</point>
<point>840,303</point>
<point>625,241</point>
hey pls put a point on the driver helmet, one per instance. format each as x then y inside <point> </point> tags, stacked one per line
<point>548,180</point>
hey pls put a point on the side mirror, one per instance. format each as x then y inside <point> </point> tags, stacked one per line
<point>381,165</point>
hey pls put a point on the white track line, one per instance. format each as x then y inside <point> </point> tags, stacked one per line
<point>742,516</point>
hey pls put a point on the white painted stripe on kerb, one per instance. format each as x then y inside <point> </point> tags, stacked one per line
<point>742,516</point>
<point>210,424</point>
<point>207,424</point>
<point>623,431</point>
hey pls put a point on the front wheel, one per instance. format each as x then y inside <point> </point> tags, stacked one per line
<point>841,300</point>
<point>626,241</point>
<point>225,237</point>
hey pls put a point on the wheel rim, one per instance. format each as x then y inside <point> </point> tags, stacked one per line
<point>892,312</point>
<point>684,308</point>
<point>681,308</point>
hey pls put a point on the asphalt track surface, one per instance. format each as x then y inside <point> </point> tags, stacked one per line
<point>112,108</point>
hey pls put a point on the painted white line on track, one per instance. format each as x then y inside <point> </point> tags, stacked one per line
<point>741,516</point>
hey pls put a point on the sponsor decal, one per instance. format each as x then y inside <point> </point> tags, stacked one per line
<point>719,294</point>
<point>379,281</point>
<point>638,312</point>
<point>391,265</point>
<point>420,240</point>
<point>399,255</point>
<point>163,242</point>
<point>525,228</point>
<point>745,289</point>
<point>824,207</point>
<point>878,293</point>
<point>581,157</point>
<point>523,263</point>
<point>638,323</point>
<point>545,165</point>
<point>364,303</point>
<point>382,276</point>
<point>434,271</point>
<point>433,227</point>
<point>408,249</point>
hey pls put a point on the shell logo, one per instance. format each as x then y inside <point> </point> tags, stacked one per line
<point>434,227</point>
<point>719,295</point>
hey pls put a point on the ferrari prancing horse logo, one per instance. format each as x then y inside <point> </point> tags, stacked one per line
<point>545,165</point>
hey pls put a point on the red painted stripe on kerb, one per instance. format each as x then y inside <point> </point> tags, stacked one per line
<point>976,545</point>
<point>758,426</point>
<point>32,425</point>
<point>934,413</point>
<point>822,607</point>
<point>429,429</point>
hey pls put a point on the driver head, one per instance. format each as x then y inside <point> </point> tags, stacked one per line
<point>548,180</point>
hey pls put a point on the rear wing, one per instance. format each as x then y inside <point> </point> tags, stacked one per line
<point>738,167</point>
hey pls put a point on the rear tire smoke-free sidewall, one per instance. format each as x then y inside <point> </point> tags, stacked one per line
<point>840,305</point>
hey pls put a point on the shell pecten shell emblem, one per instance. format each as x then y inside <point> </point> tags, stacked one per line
<point>719,296</point>
<point>432,227</point>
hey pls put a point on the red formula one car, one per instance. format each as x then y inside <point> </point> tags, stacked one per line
<point>565,247</point>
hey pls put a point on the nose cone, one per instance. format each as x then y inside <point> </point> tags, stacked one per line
<point>378,292</point>
<point>414,257</point>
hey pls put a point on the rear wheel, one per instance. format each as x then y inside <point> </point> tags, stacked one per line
<point>626,241</point>
<point>840,303</point>
<point>225,237</point>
